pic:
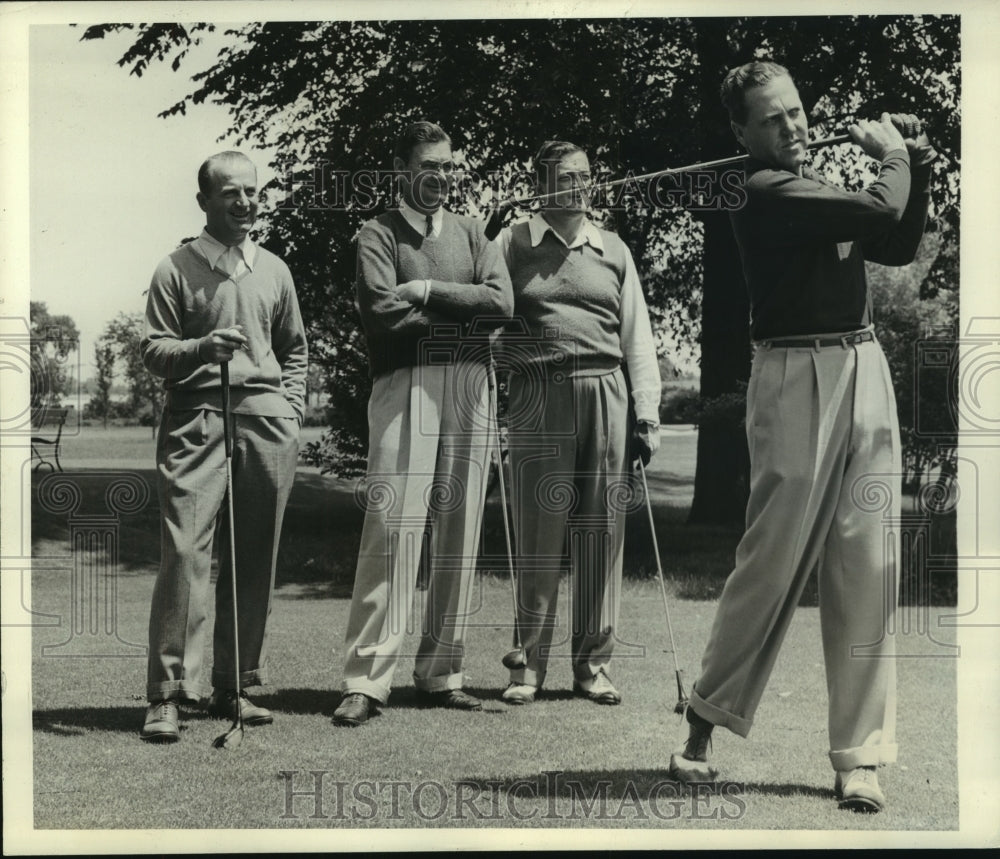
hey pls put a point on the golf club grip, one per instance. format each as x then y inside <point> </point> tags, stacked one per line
<point>225,408</point>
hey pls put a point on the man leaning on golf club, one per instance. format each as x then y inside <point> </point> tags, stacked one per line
<point>220,300</point>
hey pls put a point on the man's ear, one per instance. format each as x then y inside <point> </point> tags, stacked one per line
<point>398,164</point>
<point>738,131</point>
<point>201,200</point>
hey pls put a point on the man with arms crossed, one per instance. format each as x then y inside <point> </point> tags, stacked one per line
<point>427,280</point>
<point>821,417</point>
<point>220,298</point>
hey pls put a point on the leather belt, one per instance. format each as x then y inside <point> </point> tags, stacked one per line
<point>843,341</point>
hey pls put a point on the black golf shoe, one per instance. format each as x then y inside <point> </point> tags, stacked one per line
<point>355,709</point>
<point>453,699</point>
<point>223,704</point>
<point>690,764</point>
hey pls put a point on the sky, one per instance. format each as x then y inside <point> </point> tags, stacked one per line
<point>112,186</point>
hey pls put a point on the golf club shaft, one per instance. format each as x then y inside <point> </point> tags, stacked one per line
<point>503,497</point>
<point>701,165</point>
<point>659,569</point>
<point>232,533</point>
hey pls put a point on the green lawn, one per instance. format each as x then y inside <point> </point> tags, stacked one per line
<point>561,762</point>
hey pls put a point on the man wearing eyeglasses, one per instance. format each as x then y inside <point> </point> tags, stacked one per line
<point>431,287</point>
<point>579,303</point>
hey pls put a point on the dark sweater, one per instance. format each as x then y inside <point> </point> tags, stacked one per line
<point>188,300</point>
<point>804,243</point>
<point>470,292</point>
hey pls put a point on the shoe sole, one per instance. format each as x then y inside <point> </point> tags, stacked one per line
<point>518,702</point>
<point>688,777</point>
<point>860,805</point>
<point>164,738</point>
<point>605,699</point>
<point>256,720</point>
<point>349,723</point>
<point>438,705</point>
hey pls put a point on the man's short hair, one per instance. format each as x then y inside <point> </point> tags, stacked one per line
<point>416,133</point>
<point>205,171</point>
<point>551,152</point>
<point>745,77</point>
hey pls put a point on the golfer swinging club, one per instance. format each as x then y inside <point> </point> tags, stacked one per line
<point>220,298</point>
<point>821,419</point>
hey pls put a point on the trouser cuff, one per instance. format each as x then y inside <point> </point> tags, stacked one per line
<point>717,716</point>
<point>864,756</point>
<point>442,683</point>
<point>363,686</point>
<point>254,677</point>
<point>527,677</point>
<point>177,690</point>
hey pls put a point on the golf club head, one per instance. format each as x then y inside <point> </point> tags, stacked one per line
<point>514,659</point>
<point>229,740</point>
<point>681,705</point>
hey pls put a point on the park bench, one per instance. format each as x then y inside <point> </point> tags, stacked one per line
<point>57,418</point>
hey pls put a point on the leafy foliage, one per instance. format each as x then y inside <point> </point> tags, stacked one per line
<point>53,338</point>
<point>120,341</point>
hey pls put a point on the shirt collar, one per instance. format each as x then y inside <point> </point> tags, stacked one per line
<point>212,249</point>
<point>418,220</point>
<point>589,234</point>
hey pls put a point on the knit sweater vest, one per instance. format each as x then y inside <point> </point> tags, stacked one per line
<point>463,267</point>
<point>188,300</point>
<point>567,303</point>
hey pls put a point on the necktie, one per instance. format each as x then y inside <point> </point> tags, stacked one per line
<point>430,225</point>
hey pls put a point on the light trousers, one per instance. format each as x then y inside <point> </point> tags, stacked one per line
<point>824,495</point>
<point>431,433</point>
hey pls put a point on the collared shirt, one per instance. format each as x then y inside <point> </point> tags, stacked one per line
<point>418,220</point>
<point>637,344</point>
<point>231,260</point>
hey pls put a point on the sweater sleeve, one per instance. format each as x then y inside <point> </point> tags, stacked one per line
<point>638,348</point>
<point>288,339</point>
<point>165,352</point>
<point>800,208</point>
<point>382,311</point>
<point>898,246</point>
<point>489,295</point>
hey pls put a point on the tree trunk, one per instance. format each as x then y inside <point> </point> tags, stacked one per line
<point>722,472</point>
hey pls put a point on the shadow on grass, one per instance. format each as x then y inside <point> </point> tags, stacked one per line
<point>322,534</point>
<point>75,721</point>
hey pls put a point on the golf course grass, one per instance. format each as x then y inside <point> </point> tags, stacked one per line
<point>562,762</point>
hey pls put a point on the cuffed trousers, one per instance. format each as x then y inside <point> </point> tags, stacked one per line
<point>568,448</point>
<point>191,485</point>
<point>825,467</point>
<point>431,433</point>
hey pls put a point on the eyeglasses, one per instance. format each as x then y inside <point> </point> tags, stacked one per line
<point>446,167</point>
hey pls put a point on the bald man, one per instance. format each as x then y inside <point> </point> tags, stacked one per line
<point>220,298</point>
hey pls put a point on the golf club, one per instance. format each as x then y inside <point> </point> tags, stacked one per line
<point>682,697</point>
<point>513,658</point>
<point>234,736</point>
<point>495,222</point>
